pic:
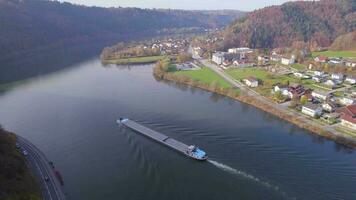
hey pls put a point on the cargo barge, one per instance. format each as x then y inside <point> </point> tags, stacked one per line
<point>190,151</point>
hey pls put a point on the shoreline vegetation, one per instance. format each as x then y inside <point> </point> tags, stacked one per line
<point>133,60</point>
<point>165,70</point>
<point>16,179</point>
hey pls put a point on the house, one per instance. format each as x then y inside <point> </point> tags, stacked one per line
<point>329,106</point>
<point>351,80</point>
<point>335,61</point>
<point>251,81</point>
<point>350,63</point>
<point>348,116</point>
<point>347,101</point>
<point>330,83</point>
<point>318,73</point>
<point>275,57</point>
<point>288,61</point>
<point>263,60</point>
<point>242,63</point>
<point>322,59</point>
<point>337,76</point>
<point>320,95</point>
<point>218,57</point>
<point>331,118</point>
<point>243,51</point>
<point>312,110</point>
<point>295,91</point>
<point>281,88</point>
<point>317,79</point>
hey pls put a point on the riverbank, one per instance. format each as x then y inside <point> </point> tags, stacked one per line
<point>133,60</point>
<point>16,179</point>
<point>299,120</point>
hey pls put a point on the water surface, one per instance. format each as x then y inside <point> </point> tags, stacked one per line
<point>71,114</point>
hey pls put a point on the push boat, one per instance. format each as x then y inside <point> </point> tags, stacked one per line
<point>191,151</point>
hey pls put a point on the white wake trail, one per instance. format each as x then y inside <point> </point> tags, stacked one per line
<point>241,173</point>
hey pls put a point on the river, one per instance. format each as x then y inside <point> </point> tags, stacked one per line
<point>70,115</point>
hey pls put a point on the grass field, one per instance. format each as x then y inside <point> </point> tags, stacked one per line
<point>205,75</point>
<point>298,66</point>
<point>345,54</point>
<point>135,60</point>
<point>240,74</point>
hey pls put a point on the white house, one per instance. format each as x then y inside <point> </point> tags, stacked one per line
<point>288,61</point>
<point>317,79</point>
<point>330,83</point>
<point>347,101</point>
<point>337,76</point>
<point>218,57</point>
<point>320,95</point>
<point>312,110</point>
<point>283,89</point>
<point>350,63</point>
<point>318,73</point>
<point>242,51</point>
<point>328,106</point>
<point>335,61</point>
<point>263,60</point>
<point>350,80</point>
<point>251,82</point>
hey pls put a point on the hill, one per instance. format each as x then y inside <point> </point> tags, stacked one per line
<point>31,24</point>
<point>345,42</point>
<point>317,23</point>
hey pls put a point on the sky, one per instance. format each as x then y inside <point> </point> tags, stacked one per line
<point>245,5</point>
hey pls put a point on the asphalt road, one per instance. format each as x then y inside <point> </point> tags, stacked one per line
<point>51,189</point>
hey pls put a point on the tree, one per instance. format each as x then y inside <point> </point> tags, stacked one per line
<point>303,100</point>
<point>184,57</point>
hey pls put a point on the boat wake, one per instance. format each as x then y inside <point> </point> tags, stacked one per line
<point>245,175</point>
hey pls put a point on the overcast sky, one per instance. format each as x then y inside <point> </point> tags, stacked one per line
<point>246,5</point>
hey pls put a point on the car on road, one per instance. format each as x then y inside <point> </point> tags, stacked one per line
<point>24,152</point>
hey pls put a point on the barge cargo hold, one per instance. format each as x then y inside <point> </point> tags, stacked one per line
<point>190,151</point>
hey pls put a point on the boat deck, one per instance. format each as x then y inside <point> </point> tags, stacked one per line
<point>174,144</point>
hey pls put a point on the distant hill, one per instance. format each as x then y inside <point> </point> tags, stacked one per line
<point>345,42</point>
<point>30,24</point>
<point>315,22</point>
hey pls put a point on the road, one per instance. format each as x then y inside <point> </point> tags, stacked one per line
<point>51,189</point>
<point>248,91</point>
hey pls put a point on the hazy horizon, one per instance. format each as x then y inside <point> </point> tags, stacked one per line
<point>183,4</point>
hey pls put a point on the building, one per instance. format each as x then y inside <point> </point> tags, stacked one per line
<point>243,51</point>
<point>337,76</point>
<point>283,89</point>
<point>218,57</point>
<point>263,60</point>
<point>320,95</point>
<point>312,110</point>
<point>335,61</point>
<point>251,82</point>
<point>322,59</point>
<point>317,79</point>
<point>288,61</point>
<point>351,80</point>
<point>350,63</point>
<point>330,83</point>
<point>275,57</point>
<point>318,73</point>
<point>295,91</point>
<point>329,106</point>
<point>347,101</point>
<point>348,116</point>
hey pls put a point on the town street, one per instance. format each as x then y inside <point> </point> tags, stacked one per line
<point>51,189</point>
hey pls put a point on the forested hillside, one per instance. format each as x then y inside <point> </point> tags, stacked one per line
<point>30,24</point>
<point>16,181</point>
<point>317,23</point>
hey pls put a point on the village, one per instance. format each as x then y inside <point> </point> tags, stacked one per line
<point>327,97</point>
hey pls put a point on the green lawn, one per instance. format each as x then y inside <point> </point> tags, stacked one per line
<point>345,54</point>
<point>298,66</point>
<point>240,74</point>
<point>205,75</point>
<point>134,60</point>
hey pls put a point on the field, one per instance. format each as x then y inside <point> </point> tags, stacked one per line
<point>298,67</point>
<point>134,60</point>
<point>345,54</point>
<point>240,74</point>
<point>205,75</point>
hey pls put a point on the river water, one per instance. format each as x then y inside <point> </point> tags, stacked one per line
<point>70,115</point>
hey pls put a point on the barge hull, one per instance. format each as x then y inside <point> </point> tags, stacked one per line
<point>159,137</point>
